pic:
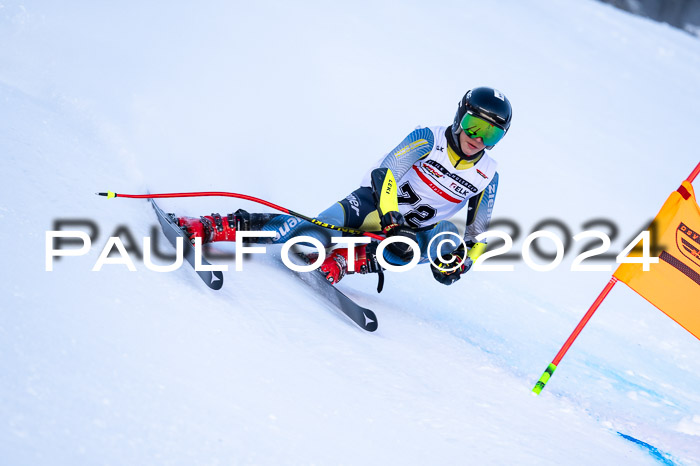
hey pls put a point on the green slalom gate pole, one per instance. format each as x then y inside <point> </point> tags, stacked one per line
<point>555,362</point>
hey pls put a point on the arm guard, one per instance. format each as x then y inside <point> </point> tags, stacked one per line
<point>386,198</point>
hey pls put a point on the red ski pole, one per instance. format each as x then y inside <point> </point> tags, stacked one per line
<point>315,221</point>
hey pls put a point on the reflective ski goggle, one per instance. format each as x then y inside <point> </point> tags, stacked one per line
<point>475,127</point>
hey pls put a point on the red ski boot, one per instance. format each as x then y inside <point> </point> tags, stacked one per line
<point>212,228</point>
<point>335,267</point>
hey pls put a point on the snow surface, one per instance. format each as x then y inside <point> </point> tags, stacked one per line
<point>292,102</point>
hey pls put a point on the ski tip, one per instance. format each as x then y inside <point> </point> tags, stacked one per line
<point>371,323</point>
<point>217,280</point>
<point>108,194</point>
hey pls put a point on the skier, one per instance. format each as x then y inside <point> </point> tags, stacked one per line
<point>439,171</point>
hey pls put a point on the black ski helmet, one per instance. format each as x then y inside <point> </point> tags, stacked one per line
<point>486,103</point>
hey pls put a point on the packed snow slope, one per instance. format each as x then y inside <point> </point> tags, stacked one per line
<point>292,102</point>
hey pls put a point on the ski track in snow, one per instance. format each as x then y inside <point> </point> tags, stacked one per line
<point>121,367</point>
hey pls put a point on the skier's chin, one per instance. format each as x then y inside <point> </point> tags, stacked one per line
<point>472,149</point>
<point>469,146</point>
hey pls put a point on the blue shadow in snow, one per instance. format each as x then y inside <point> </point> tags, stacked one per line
<point>660,456</point>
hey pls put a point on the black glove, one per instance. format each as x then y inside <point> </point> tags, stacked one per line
<point>401,249</point>
<point>442,273</point>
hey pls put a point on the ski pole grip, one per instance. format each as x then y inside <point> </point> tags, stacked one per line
<point>476,250</point>
<point>544,379</point>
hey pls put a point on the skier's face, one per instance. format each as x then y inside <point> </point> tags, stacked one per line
<point>470,146</point>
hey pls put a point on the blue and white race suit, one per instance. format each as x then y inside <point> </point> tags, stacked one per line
<point>434,185</point>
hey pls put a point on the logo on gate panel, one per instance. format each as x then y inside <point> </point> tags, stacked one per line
<point>688,242</point>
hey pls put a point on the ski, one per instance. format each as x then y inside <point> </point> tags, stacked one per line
<point>363,317</point>
<point>168,223</point>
